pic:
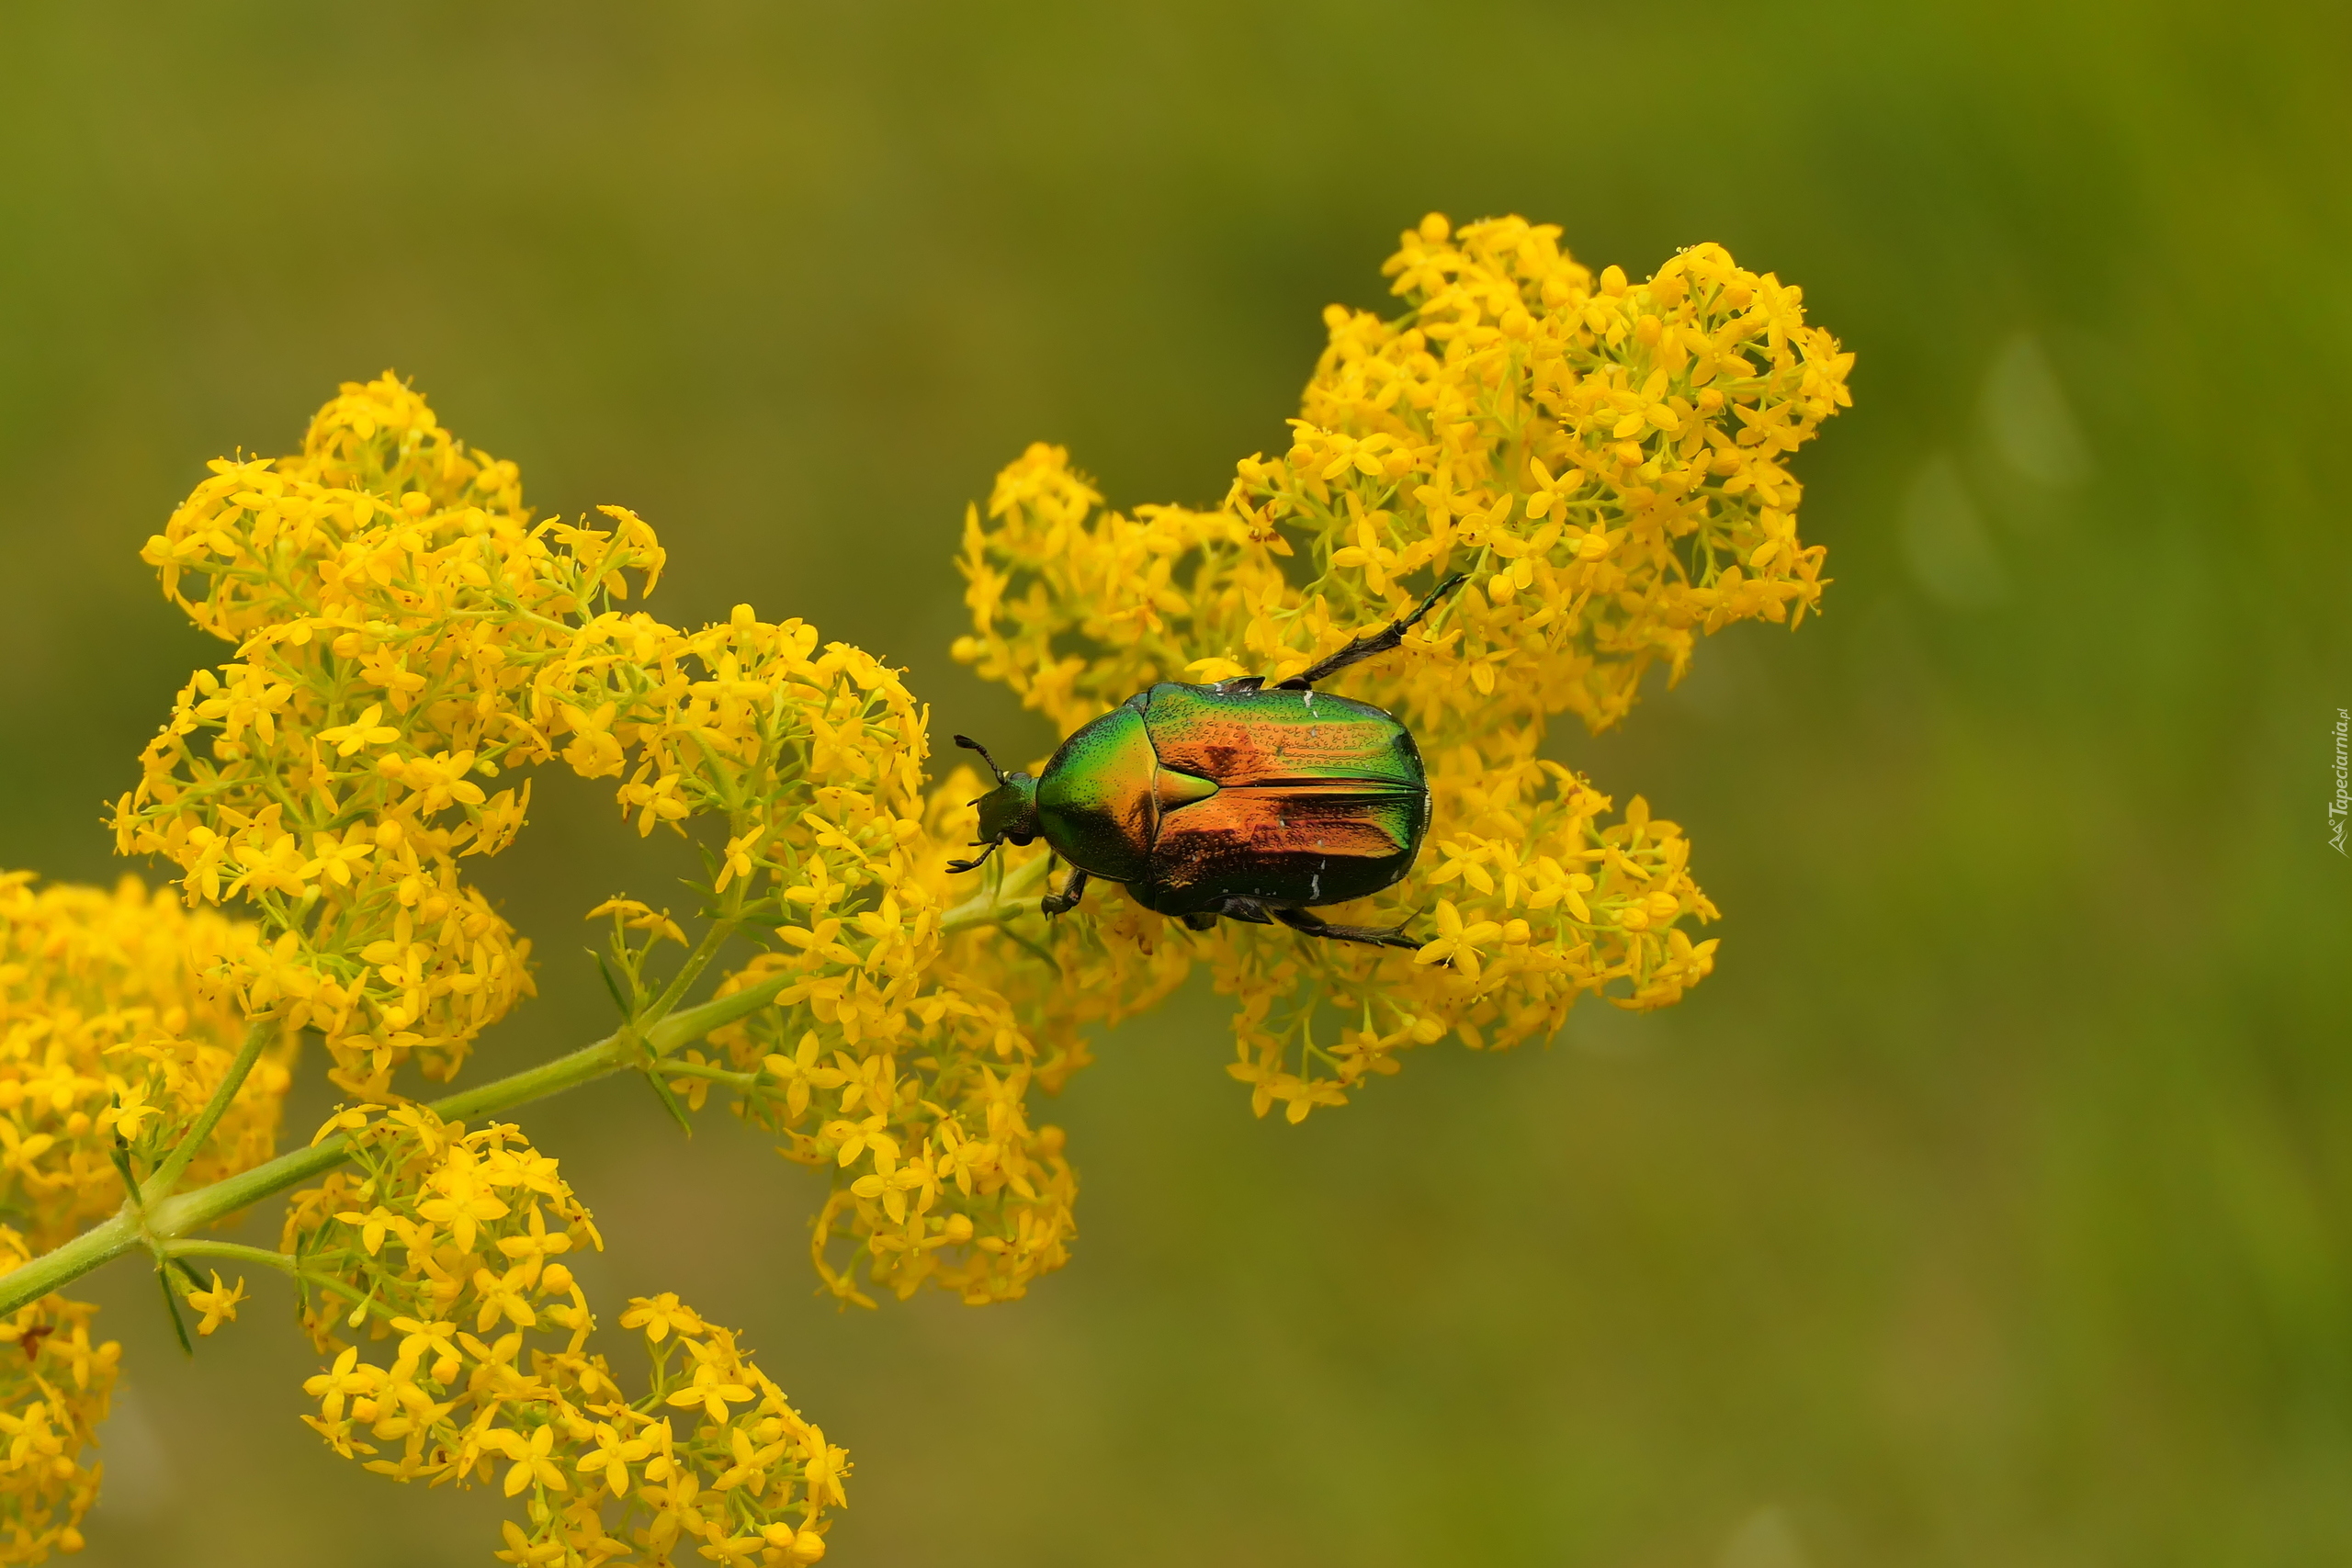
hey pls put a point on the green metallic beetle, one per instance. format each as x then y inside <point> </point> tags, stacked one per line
<point>1236,799</point>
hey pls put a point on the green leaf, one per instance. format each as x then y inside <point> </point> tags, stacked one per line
<point>172,1305</point>
<point>611,985</point>
<point>662,1088</point>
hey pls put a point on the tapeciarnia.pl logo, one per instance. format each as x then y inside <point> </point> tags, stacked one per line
<point>2336,807</point>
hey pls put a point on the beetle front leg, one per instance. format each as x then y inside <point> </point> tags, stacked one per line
<point>1308,923</point>
<point>1063,902</point>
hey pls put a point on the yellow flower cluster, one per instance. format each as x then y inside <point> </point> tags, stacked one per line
<point>107,1031</point>
<point>54,1387</point>
<point>388,602</point>
<point>940,1179</point>
<point>1108,967</point>
<point>403,631</point>
<point>1604,460</point>
<point>446,1247</point>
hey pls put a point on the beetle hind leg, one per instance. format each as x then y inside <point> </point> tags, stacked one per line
<point>1304,921</point>
<point>1371,643</point>
<point>1308,923</point>
<point>1248,910</point>
<point>1063,902</point>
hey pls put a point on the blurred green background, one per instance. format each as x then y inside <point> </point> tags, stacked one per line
<point>1988,1206</point>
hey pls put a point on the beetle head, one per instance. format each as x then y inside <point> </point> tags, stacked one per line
<point>1008,812</point>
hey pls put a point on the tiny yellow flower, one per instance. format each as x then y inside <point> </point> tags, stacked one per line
<point>361,733</point>
<point>218,1304</point>
<point>658,1315</point>
<point>1456,941</point>
<point>532,1466</point>
<point>710,1388</point>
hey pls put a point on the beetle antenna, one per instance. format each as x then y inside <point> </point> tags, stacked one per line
<point>978,861</point>
<point>969,744</point>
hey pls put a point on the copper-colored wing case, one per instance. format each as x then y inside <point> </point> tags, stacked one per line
<point>1194,795</point>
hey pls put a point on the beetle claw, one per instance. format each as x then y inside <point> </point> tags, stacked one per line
<point>1063,902</point>
<point>957,867</point>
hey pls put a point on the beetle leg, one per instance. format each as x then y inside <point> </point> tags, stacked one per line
<point>978,861</point>
<point>1309,923</point>
<point>1200,920</point>
<point>1063,902</point>
<point>1381,641</point>
<point>1248,910</point>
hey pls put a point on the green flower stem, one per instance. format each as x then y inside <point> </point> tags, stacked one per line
<point>165,1218</point>
<point>709,1074</point>
<point>175,1165</point>
<point>689,972</point>
<point>283,1262</point>
<point>165,1221</point>
<point>996,905</point>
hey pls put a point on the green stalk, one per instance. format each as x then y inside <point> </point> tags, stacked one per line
<point>170,1218</point>
<point>995,907</point>
<point>280,1261</point>
<point>244,1254</point>
<point>690,970</point>
<point>175,1164</point>
<point>165,1217</point>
